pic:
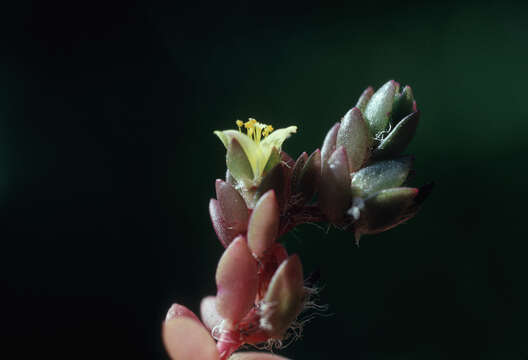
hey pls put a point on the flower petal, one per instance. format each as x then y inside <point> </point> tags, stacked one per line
<point>275,139</point>
<point>252,150</point>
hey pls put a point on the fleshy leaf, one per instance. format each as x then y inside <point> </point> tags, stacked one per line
<point>236,280</point>
<point>276,179</point>
<point>399,137</point>
<point>296,172</point>
<point>256,356</point>
<point>220,225</point>
<point>263,225</point>
<point>210,316</point>
<point>334,189</point>
<point>234,207</point>
<point>329,144</point>
<point>310,176</point>
<point>403,105</point>
<point>381,175</point>
<point>354,136</point>
<point>198,343</point>
<point>378,110</point>
<point>284,298</point>
<point>177,310</point>
<point>386,209</point>
<point>365,98</point>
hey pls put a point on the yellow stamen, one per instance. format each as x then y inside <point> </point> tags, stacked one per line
<point>267,130</point>
<point>255,130</point>
<point>239,123</point>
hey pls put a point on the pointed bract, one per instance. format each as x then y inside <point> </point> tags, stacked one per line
<point>263,225</point>
<point>378,110</point>
<point>354,136</point>
<point>236,280</point>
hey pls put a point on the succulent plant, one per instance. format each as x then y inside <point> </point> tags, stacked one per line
<point>356,182</point>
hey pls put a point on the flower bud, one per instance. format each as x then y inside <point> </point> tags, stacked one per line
<point>334,190</point>
<point>354,136</point>
<point>236,280</point>
<point>399,137</point>
<point>284,299</point>
<point>263,224</point>
<point>380,175</point>
<point>378,109</point>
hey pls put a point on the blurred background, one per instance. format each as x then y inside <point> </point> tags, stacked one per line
<point>107,163</point>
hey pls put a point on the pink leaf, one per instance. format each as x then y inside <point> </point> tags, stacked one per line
<point>185,339</point>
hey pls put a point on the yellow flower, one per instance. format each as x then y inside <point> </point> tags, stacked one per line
<point>257,143</point>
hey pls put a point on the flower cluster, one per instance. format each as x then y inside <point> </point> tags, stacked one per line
<point>355,182</point>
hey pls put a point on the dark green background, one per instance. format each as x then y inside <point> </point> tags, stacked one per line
<point>108,161</point>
